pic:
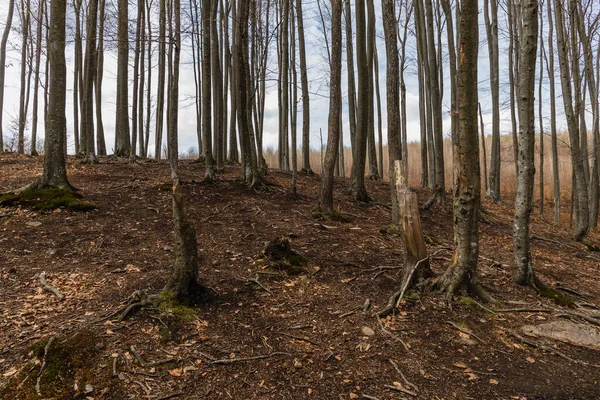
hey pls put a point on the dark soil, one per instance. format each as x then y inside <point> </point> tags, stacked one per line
<point>310,327</point>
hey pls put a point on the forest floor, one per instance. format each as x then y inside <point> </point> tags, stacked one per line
<point>307,333</point>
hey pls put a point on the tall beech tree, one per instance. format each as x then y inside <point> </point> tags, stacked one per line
<point>462,273</point>
<point>335,106</point>
<point>123,143</point>
<point>523,270</point>
<point>5,34</point>
<point>580,189</point>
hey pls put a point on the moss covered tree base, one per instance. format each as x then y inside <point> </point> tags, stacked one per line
<point>282,257</point>
<point>334,215</point>
<point>456,282</point>
<point>46,199</point>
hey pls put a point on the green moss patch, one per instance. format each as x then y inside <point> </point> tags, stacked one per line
<point>46,200</point>
<point>69,359</point>
<point>335,216</point>
<point>555,295</point>
<point>168,304</point>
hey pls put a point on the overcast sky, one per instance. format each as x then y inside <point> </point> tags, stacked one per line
<point>317,75</point>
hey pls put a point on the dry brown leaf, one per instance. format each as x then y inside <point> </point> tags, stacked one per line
<point>493,382</point>
<point>531,360</point>
<point>175,372</point>
<point>10,372</point>
<point>460,365</point>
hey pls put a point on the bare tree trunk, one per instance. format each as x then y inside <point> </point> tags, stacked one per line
<point>335,83</point>
<point>100,140</point>
<point>436,105</point>
<point>7,26</point>
<point>217,85</point>
<point>461,275</point>
<point>350,68</point>
<point>357,178</point>
<point>306,169</point>
<point>285,82</point>
<point>485,173</point>
<point>80,145</point>
<point>233,147</point>
<point>541,115</point>
<point>197,65</point>
<point>36,78</point>
<point>55,171</point>
<point>89,76</point>
<point>491,25</point>
<point>172,131</point>
<point>294,99</point>
<point>160,95</point>
<point>142,77</point>
<point>206,91</point>
<point>523,273</point>
<point>580,190</point>
<point>422,116</point>
<point>452,56</point>
<point>408,6</point>
<point>392,96</point>
<point>513,66</point>
<point>379,122</point>
<point>550,69</point>
<point>226,63</point>
<point>25,9</point>
<point>136,79</point>
<point>372,149</point>
<point>123,147</point>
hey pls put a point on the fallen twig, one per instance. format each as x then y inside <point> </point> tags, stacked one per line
<point>366,396</point>
<point>49,288</point>
<point>465,331</point>
<point>161,362</point>
<point>587,318</point>
<point>399,389</point>
<point>402,375</point>
<point>223,361</point>
<point>137,356</point>
<point>170,396</point>
<point>255,280</point>
<point>391,334</point>
<point>46,349</point>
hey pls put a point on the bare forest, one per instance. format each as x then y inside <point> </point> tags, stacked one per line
<point>288,199</point>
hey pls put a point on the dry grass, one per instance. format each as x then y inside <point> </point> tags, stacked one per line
<point>507,178</point>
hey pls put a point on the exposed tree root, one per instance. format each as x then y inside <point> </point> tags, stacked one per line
<point>390,334</point>
<point>396,298</point>
<point>38,390</point>
<point>465,331</point>
<point>223,361</point>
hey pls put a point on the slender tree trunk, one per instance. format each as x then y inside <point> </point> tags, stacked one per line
<point>485,172</point>
<point>357,178</point>
<point>461,275</point>
<point>392,96</point>
<point>379,122</point>
<point>55,171</point>
<point>160,94</point>
<point>285,12</point>
<point>197,66</point>
<point>5,34</point>
<point>136,80</point>
<point>580,190</point>
<point>523,273</point>
<point>36,78</point>
<point>335,83</point>
<point>89,76</point>
<point>294,99</point>
<point>172,131</point>
<point>491,25</point>
<point>25,9</point>
<point>206,91</point>
<point>350,69</point>
<point>217,85</point>
<point>306,169</point>
<point>541,115</point>
<point>142,78</point>
<point>149,91</point>
<point>100,140</point>
<point>77,72</point>
<point>512,76</point>
<point>408,6</point>
<point>233,147</point>
<point>550,69</point>
<point>123,147</point>
<point>372,149</point>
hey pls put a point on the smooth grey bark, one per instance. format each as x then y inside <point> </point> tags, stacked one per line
<point>491,25</point>
<point>210,174</point>
<point>89,76</point>
<point>233,147</point>
<point>36,78</point>
<point>123,145</point>
<point>135,110</point>
<point>350,72</point>
<point>403,116</point>
<point>100,140</point>
<point>541,115</point>
<point>77,79</point>
<point>172,131</point>
<point>436,105</point>
<point>5,34</point>
<point>55,171</point>
<point>25,9</point>
<point>357,178</point>
<point>142,82</point>
<point>217,86</point>
<point>372,149</point>
<point>379,121</point>
<point>306,169</point>
<point>392,96</point>
<point>285,12</point>
<point>513,63</point>
<point>160,94</point>
<point>523,273</point>
<point>294,98</point>
<point>335,90</point>
<point>197,67</point>
<point>550,70</point>
<point>427,155</point>
<point>580,190</point>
